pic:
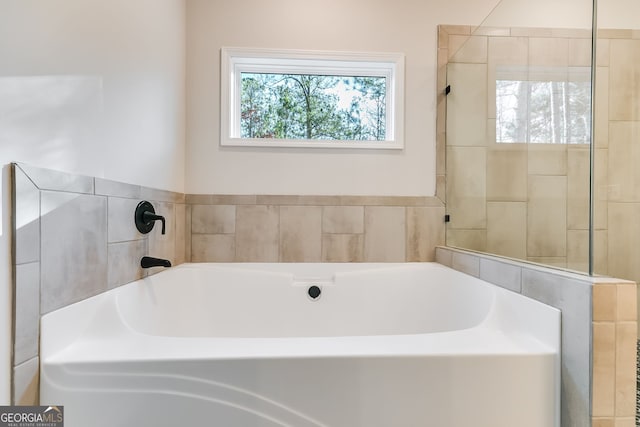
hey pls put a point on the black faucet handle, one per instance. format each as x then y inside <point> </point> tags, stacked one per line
<point>150,217</point>
<point>145,217</point>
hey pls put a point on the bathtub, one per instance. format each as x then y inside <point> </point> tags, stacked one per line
<point>304,345</point>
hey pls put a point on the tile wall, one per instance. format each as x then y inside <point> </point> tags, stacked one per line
<point>314,228</point>
<point>617,131</point>
<point>74,237</point>
<point>599,323</point>
<point>526,201</point>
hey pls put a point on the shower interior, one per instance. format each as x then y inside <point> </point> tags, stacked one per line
<point>530,168</point>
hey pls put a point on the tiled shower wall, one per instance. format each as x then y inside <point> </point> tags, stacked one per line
<point>74,238</point>
<point>526,201</point>
<point>617,135</point>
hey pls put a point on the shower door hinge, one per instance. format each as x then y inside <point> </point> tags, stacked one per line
<point>447,90</point>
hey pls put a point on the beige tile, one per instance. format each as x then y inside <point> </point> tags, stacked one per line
<point>491,129</point>
<point>233,199</point>
<point>467,105</point>
<point>626,344</point>
<point>441,149</point>
<point>441,187</point>
<point>468,49</point>
<point>564,33</point>
<point>550,51</point>
<point>213,248</point>
<point>300,233</point>
<point>257,233</point>
<point>624,80</point>
<point>443,37</point>
<point>547,216</point>
<point>342,248</point>
<point>187,238</point>
<point>461,30</point>
<point>384,239</point>
<point>603,422</point>
<point>475,240</point>
<point>508,51</point>
<point>491,31</point>
<point>298,200</point>
<point>343,219</point>
<point>213,219</point>
<point>604,302</point>
<point>181,233</point>
<point>623,238</point>
<point>625,422</point>
<point>454,43</point>
<point>624,175</point>
<point>466,187</point>
<point>507,174</point>
<point>601,190</point>
<point>601,132</point>
<point>615,33</point>
<point>580,52</point>
<point>503,52</point>
<point>532,32</point>
<point>199,199</point>
<point>425,231</point>
<point>604,369</point>
<point>627,302</point>
<point>443,60</point>
<point>578,250</point>
<point>547,159</point>
<point>578,175</point>
<point>601,252</point>
<point>507,229</point>
<point>602,52</point>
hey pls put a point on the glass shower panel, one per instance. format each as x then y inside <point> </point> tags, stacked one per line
<point>518,133</point>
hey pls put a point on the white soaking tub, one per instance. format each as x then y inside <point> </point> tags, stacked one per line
<point>244,345</point>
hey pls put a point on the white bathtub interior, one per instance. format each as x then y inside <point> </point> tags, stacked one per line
<point>244,345</point>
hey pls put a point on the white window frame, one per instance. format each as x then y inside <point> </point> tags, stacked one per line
<point>235,61</point>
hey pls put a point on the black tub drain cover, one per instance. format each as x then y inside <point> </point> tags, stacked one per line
<point>314,291</point>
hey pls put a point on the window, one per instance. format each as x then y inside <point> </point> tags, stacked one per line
<point>282,98</point>
<point>544,105</point>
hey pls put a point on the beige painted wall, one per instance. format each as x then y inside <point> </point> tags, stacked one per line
<point>406,26</point>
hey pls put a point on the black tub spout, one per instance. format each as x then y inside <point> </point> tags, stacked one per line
<point>148,262</point>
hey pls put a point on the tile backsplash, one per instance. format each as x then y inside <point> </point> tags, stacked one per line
<point>75,237</point>
<point>314,228</point>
